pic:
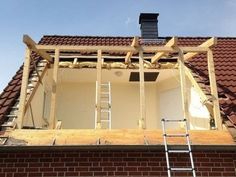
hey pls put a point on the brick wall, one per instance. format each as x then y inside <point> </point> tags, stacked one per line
<point>24,163</point>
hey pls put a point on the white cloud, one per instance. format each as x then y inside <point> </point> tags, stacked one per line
<point>128,21</point>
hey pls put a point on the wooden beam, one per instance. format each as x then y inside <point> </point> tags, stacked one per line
<point>142,120</point>
<point>214,92</point>
<point>66,48</point>
<point>52,118</point>
<point>183,85</point>
<point>35,89</point>
<point>23,92</point>
<point>135,43</point>
<point>98,91</point>
<point>194,49</point>
<point>208,43</point>
<point>32,45</point>
<point>171,43</point>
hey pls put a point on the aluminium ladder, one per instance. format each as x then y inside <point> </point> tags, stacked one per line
<point>167,150</point>
<point>105,105</point>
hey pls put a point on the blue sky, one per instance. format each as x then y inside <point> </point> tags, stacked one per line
<point>104,17</point>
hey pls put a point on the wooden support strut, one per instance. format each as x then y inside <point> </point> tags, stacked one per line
<point>135,43</point>
<point>207,44</point>
<point>32,45</point>
<point>183,85</point>
<point>214,92</point>
<point>52,118</point>
<point>99,82</point>
<point>23,92</point>
<point>171,43</point>
<point>142,120</point>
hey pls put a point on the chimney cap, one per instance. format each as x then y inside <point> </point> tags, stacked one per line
<point>148,16</point>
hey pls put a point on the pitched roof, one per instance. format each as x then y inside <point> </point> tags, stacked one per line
<point>224,57</point>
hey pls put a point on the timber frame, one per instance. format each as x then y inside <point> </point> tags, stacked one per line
<point>158,52</point>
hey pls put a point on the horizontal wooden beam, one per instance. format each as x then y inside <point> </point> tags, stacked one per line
<point>194,49</point>
<point>171,43</point>
<point>32,45</point>
<point>135,43</point>
<point>65,48</point>
<point>209,43</point>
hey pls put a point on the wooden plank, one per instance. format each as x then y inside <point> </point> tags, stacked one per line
<point>87,138</point>
<point>28,101</point>
<point>66,48</point>
<point>208,43</point>
<point>52,117</point>
<point>171,43</point>
<point>214,92</point>
<point>23,92</point>
<point>142,120</point>
<point>194,49</point>
<point>135,43</point>
<point>32,45</point>
<point>184,93</point>
<point>99,82</point>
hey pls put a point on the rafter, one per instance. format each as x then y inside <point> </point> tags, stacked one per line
<point>32,45</point>
<point>209,43</point>
<point>135,43</point>
<point>171,43</point>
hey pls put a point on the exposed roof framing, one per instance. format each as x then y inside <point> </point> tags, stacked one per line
<point>208,43</point>
<point>32,45</point>
<point>156,50</point>
<point>135,43</point>
<point>171,43</point>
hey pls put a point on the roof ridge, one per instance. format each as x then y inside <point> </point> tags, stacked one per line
<point>85,36</point>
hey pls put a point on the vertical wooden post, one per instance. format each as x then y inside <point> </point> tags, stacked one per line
<point>99,82</point>
<point>52,118</point>
<point>142,120</point>
<point>23,92</point>
<point>184,93</point>
<point>214,92</point>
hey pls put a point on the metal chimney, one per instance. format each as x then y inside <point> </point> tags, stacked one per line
<point>148,25</point>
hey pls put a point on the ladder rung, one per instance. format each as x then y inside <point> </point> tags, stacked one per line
<point>105,110</point>
<point>105,93</point>
<point>10,115</point>
<point>181,169</point>
<point>31,86</point>
<point>174,120</point>
<point>178,151</point>
<point>105,120</point>
<point>176,135</point>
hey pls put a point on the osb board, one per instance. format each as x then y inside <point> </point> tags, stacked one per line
<point>116,137</point>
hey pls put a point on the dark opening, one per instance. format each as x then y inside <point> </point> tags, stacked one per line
<point>148,76</point>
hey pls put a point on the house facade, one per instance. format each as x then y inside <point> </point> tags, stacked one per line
<point>93,105</point>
